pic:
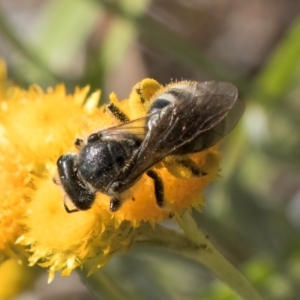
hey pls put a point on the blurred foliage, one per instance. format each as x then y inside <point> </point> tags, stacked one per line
<point>252,213</point>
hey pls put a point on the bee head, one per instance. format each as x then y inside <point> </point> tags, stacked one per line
<point>76,189</point>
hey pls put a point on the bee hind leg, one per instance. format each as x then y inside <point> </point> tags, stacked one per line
<point>192,167</point>
<point>183,167</point>
<point>158,187</point>
<point>116,113</point>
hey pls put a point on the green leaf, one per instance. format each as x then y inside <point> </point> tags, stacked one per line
<point>63,29</point>
<point>277,76</point>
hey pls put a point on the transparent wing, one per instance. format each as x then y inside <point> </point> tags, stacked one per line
<point>137,128</point>
<point>196,120</point>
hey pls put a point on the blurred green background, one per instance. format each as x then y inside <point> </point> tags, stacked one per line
<point>253,213</point>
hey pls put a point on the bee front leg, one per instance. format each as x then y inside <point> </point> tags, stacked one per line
<point>114,204</point>
<point>79,143</point>
<point>158,187</point>
<point>68,210</point>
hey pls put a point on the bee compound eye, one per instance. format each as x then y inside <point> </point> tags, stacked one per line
<point>77,192</point>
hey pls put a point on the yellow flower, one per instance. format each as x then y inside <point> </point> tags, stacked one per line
<point>14,183</point>
<point>15,278</point>
<point>64,241</point>
<point>37,127</point>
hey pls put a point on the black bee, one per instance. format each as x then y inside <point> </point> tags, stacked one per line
<point>187,117</point>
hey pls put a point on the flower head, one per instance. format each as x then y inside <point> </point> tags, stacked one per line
<point>15,278</point>
<point>36,128</point>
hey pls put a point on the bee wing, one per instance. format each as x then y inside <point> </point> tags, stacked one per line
<point>137,128</point>
<point>200,115</point>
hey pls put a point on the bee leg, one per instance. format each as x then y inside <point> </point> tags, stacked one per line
<point>158,187</point>
<point>79,143</point>
<point>117,113</point>
<point>191,166</point>
<point>55,180</point>
<point>183,167</point>
<point>69,211</point>
<point>114,204</point>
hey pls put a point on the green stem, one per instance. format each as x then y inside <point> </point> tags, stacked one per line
<point>195,245</point>
<point>208,255</point>
<point>99,284</point>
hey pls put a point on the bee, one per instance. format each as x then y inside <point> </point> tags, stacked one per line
<point>185,118</point>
